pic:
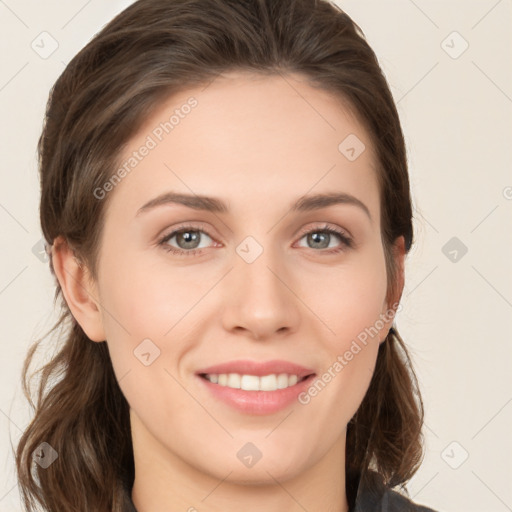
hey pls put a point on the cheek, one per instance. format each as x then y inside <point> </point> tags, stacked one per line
<point>145,327</point>
<point>350,299</point>
<point>145,301</point>
<point>352,308</point>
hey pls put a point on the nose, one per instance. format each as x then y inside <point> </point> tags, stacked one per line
<point>259,299</point>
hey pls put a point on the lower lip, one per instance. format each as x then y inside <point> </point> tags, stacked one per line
<point>258,402</point>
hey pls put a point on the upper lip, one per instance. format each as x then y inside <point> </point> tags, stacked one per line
<point>247,367</point>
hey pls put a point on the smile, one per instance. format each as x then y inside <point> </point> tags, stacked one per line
<point>270,382</point>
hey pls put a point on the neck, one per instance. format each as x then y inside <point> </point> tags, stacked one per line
<point>164,481</point>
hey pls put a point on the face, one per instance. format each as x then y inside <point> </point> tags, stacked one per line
<point>264,284</point>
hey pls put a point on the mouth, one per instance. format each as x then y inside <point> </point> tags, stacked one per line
<point>256,388</point>
<point>271,382</point>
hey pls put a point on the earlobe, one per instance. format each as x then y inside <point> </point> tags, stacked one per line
<point>78,289</point>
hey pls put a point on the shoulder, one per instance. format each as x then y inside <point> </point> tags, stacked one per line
<point>393,501</point>
<point>375,496</point>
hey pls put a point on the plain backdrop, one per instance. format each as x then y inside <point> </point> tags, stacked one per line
<point>449,67</point>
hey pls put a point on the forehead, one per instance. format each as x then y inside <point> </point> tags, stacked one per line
<point>252,139</point>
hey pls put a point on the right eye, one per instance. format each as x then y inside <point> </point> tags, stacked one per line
<point>189,236</point>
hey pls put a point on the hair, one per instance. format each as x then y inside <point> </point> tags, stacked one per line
<point>151,50</point>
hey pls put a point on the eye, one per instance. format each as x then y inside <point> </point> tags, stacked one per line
<point>321,237</point>
<point>187,238</point>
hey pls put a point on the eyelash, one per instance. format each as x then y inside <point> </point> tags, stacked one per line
<point>347,242</point>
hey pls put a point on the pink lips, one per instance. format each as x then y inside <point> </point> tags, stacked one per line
<point>245,367</point>
<point>257,402</point>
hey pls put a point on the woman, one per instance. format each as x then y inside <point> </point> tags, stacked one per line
<point>225,198</point>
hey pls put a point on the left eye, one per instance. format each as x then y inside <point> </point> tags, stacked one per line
<point>188,238</point>
<point>322,237</point>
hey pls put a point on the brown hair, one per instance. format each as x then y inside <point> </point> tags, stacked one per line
<point>152,49</point>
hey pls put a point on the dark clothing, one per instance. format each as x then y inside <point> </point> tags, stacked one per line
<point>375,497</point>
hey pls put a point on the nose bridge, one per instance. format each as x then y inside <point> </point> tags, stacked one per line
<point>259,298</point>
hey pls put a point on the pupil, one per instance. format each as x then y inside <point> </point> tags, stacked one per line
<point>316,236</point>
<point>189,237</point>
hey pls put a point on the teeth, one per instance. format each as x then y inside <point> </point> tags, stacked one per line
<point>252,382</point>
<point>268,383</point>
<point>282,381</point>
<point>233,381</point>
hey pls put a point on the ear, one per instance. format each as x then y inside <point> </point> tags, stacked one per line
<point>78,288</point>
<point>392,301</point>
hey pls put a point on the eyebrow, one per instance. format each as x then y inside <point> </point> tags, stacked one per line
<point>215,205</point>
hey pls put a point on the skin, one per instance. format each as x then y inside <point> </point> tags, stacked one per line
<point>258,143</point>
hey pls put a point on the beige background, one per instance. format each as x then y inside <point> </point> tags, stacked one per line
<point>456,110</point>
